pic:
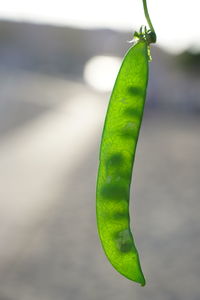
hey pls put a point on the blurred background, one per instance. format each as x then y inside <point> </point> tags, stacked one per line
<point>58,63</point>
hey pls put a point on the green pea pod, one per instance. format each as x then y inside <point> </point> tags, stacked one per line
<point>117,153</point>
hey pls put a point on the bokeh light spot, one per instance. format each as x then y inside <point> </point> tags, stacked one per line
<point>101,71</point>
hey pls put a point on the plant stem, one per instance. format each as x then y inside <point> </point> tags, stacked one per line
<point>147,16</point>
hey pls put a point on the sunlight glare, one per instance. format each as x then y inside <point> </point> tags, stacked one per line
<point>100,72</point>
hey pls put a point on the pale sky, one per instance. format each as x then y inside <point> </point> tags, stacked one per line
<point>176,21</point>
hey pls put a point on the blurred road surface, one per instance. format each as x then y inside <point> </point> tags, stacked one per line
<point>50,130</point>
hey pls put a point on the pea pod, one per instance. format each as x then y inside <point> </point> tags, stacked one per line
<point>117,154</point>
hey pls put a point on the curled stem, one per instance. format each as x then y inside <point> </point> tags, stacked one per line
<point>148,19</point>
